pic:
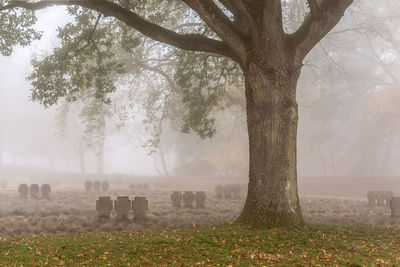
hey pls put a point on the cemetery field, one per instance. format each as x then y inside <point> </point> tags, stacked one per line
<point>224,245</point>
<point>72,210</point>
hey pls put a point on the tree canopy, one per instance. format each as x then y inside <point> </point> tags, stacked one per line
<point>250,33</point>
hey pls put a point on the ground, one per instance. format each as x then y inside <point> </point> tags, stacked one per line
<point>72,210</point>
<point>223,245</point>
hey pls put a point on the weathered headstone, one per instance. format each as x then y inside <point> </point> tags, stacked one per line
<point>104,206</point>
<point>236,191</point>
<point>88,186</point>
<point>176,199</point>
<point>45,191</point>
<point>380,195</point>
<point>245,188</point>
<point>139,186</point>
<point>96,186</point>
<point>388,198</point>
<point>219,191</point>
<point>23,191</point>
<point>34,190</point>
<point>188,198</point>
<point>395,207</point>
<point>104,185</point>
<point>372,198</point>
<point>228,191</point>
<point>145,186</point>
<point>140,205</point>
<point>200,200</point>
<point>122,206</point>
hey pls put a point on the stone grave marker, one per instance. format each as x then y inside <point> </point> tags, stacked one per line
<point>176,199</point>
<point>188,198</point>
<point>122,206</point>
<point>236,191</point>
<point>200,200</point>
<point>219,191</point>
<point>104,186</point>
<point>96,186</point>
<point>388,198</point>
<point>88,186</point>
<point>34,190</point>
<point>140,205</point>
<point>45,191</point>
<point>228,191</point>
<point>23,191</point>
<point>245,188</point>
<point>372,198</point>
<point>395,207</point>
<point>104,206</point>
<point>139,186</point>
<point>145,186</point>
<point>380,195</point>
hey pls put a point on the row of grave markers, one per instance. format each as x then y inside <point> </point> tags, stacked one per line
<point>96,186</point>
<point>385,198</point>
<point>379,198</point>
<point>139,186</point>
<point>33,191</point>
<point>188,198</point>
<point>230,191</point>
<point>122,207</point>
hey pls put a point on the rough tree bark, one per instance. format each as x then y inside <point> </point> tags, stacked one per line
<point>271,62</point>
<point>272,126</point>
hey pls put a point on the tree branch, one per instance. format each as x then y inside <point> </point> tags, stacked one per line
<point>312,4</point>
<point>213,16</point>
<point>272,15</point>
<point>88,37</point>
<point>192,42</point>
<point>315,26</point>
<point>240,11</point>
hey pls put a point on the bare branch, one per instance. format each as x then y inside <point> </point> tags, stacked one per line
<point>213,16</point>
<point>192,42</point>
<point>272,15</point>
<point>312,4</point>
<point>240,11</point>
<point>88,37</point>
<point>316,26</point>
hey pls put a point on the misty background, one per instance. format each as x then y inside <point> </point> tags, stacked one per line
<point>348,99</point>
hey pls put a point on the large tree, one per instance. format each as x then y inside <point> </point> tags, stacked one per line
<point>251,33</point>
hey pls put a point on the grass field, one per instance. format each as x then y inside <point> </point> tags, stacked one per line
<point>224,245</point>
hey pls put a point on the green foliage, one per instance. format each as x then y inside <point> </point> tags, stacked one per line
<point>203,81</point>
<point>16,28</point>
<point>84,61</point>
<point>227,245</point>
<point>96,54</point>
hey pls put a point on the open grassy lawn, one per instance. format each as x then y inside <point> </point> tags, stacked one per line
<point>223,245</point>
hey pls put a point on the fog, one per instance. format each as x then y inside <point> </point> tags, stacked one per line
<point>176,122</point>
<point>347,104</point>
<point>29,136</point>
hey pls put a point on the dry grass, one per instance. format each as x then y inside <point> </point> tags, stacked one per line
<point>74,211</point>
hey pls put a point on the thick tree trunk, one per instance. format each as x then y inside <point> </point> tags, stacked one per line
<point>272,117</point>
